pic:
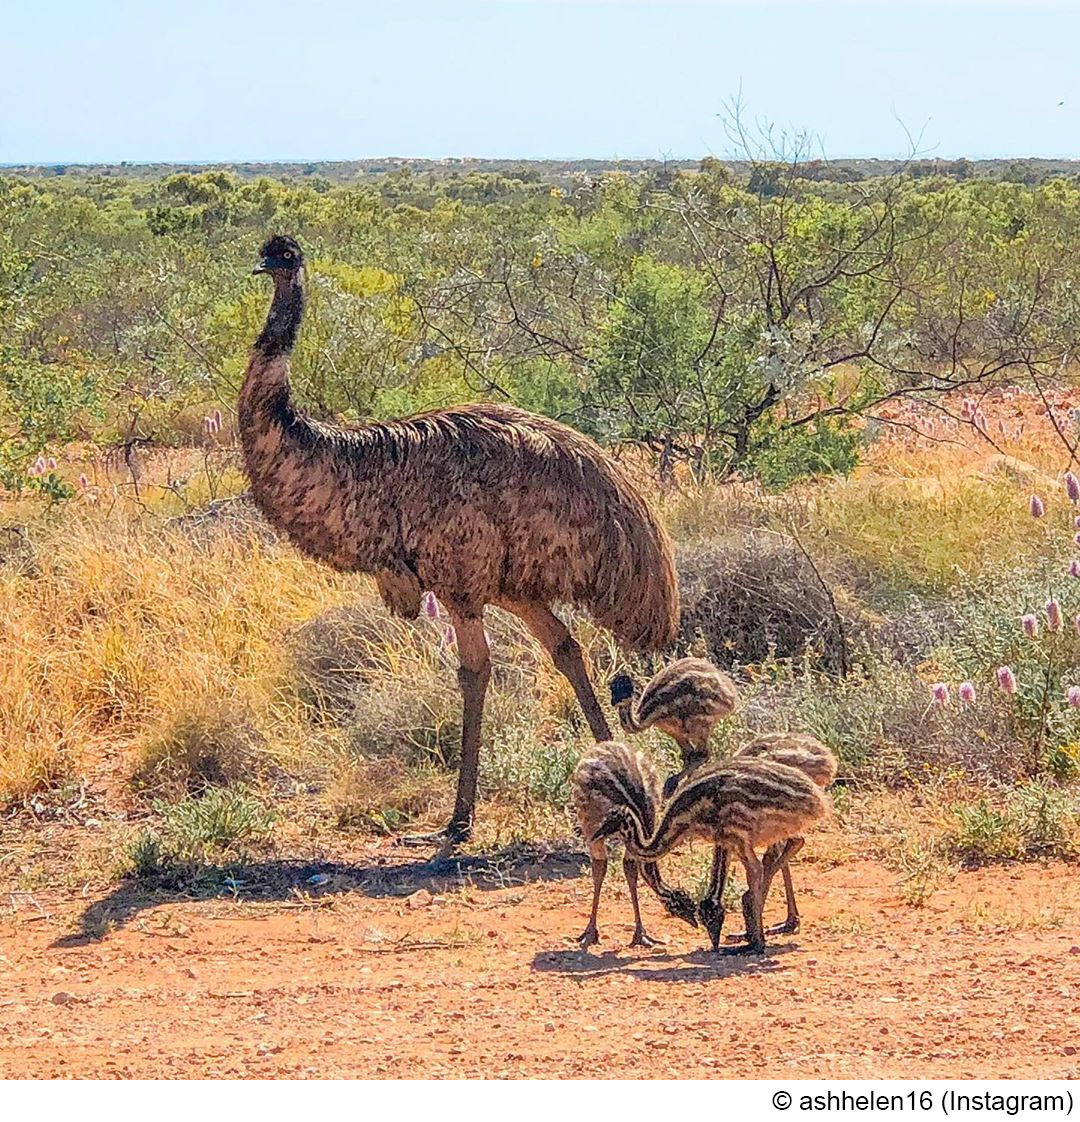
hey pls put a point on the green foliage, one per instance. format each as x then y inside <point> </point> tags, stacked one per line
<point>41,403</point>
<point>781,456</point>
<point>195,831</point>
<point>728,322</point>
<point>1034,820</point>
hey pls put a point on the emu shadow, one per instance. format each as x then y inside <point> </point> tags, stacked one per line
<point>269,881</point>
<point>693,966</point>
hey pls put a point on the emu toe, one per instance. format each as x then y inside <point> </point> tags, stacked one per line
<point>643,939</point>
<point>590,936</point>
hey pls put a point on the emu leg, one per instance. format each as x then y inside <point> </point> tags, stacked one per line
<point>791,924</point>
<point>473,675</point>
<point>640,939</point>
<point>565,652</point>
<point>753,900</point>
<point>591,934</point>
<point>776,860</point>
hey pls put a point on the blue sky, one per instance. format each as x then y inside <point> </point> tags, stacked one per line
<point>89,80</point>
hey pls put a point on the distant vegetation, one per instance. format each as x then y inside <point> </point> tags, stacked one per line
<point>724,317</point>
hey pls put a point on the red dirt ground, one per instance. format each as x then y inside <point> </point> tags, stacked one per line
<point>354,981</point>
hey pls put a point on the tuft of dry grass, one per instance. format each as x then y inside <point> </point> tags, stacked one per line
<point>122,629</point>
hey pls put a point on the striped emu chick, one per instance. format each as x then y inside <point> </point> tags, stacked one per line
<point>610,776</point>
<point>685,700</point>
<point>739,806</point>
<point>818,763</point>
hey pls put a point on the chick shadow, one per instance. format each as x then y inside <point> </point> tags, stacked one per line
<point>694,966</point>
<point>295,882</point>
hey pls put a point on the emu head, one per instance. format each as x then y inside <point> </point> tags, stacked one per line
<point>711,913</point>
<point>281,255</point>
<point>622,688</point>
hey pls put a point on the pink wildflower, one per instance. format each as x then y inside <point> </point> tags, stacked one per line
<point>1053,615</point>
<point>1006,679</point>
<point>83,482</point>
<point>50,464</point>
<point>1072,696</point>
<point>1030,625</point>
<point>431,606</point>
<point>1072,487</point>
<point>217,420</point>
<point>1074,568</point>
<point>1036,507</point>
<point>966,693</point>
<point>941,693</point>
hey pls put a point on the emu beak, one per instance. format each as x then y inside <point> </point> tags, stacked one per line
<point>260,268</point>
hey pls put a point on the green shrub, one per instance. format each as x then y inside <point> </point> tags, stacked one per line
<point>219,824</point>
<point>1035,819</point>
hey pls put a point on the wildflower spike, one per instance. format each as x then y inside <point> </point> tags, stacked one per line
<point>1036,507</point>
<point>1030,625</point>
<point>1006,679</point>
<point>941,693</point>
<point>1072,696</point>
<point>966,693</point>
<point>1072,487</point>
<point>1053,615</point>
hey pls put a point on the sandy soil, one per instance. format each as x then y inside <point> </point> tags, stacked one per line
<point>382,971</point>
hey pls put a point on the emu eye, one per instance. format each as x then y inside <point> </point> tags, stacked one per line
<point>287,255</point>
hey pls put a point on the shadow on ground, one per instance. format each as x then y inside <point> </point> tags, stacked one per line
<point>693,966</point>
<point>267,881</point>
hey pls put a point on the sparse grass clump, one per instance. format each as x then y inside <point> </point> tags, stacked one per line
<point>221,824</point>
<point>383,796</point>
<point>1034,819</point>
<point>210,742</point>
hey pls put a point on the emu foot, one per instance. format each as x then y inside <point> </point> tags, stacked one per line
<point>643,939</point>
<point>444,841</point>
<point>744,948</point>
<point>421,841</point>
<point>788,927</point>
<point>589,937</point>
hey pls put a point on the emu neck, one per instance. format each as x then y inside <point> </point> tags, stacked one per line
<point>663,839</point>
<point>627,713</point>
<point>278,335</point>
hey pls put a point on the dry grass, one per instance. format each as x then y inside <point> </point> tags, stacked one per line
<point>122,629</point>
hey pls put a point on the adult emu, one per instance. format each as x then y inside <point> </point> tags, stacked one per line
<point>480,504</point>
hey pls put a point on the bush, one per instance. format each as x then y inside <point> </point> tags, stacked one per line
<point>212,743</point>
<point>217,825</point>
<point>383,796</point>
<point>1033,820</point>
<point>753,596</point>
